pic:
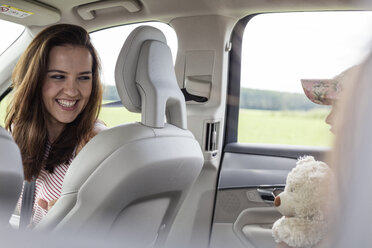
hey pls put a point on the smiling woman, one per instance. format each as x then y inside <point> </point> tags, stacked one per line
<point>54,110</point>
<point>67,86</point>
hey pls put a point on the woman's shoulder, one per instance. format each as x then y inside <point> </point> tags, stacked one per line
<point>97,128</point>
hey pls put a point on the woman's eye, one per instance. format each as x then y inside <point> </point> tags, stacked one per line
<point>57,76</point>
<point>84,78</point>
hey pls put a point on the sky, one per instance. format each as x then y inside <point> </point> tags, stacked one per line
<point>278,49</point>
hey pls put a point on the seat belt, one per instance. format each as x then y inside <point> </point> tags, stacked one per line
<point>27,204</point>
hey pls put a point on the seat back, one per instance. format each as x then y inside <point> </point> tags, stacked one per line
<point>129,181</point>
<point>11,176</point>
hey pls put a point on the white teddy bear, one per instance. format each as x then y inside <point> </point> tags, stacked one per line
<point>303,204</point>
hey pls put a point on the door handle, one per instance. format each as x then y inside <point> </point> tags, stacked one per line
<point>268,193</point>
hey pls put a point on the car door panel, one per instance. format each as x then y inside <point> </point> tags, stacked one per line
<point>249,175</point>
<point>253,226</point>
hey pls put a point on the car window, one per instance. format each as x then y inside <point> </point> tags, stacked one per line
<point>11,31</point>
<point>278,50</point>
<point>108,43</point>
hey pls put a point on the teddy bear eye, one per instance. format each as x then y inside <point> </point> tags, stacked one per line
<point>291,190</point>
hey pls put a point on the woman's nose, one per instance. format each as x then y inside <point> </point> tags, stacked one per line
<point>71,87</point>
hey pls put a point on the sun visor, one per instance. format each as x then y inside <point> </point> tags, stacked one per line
<point>28,13</point>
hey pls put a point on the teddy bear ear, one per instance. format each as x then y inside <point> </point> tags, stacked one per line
<point>324,165</point>
<point>305,159</point>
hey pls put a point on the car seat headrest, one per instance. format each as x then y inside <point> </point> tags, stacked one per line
<point>146,81</point>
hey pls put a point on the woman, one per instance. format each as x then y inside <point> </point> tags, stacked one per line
<point>55,107</point>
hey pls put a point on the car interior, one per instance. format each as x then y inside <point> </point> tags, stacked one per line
<point>175,170</point>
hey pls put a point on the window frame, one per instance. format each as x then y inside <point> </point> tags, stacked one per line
<point>234,81</point>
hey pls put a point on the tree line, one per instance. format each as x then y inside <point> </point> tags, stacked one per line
<point>274,100</point>
<point>110,93</point>
<point>251,99</point>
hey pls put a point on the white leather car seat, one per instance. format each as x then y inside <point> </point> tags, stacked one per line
<point>130,180</point>
<point>11,176</point>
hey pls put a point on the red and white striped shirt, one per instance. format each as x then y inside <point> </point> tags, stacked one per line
<point>48,187</point>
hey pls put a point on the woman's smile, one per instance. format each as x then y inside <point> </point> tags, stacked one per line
<point>67,105</point>
<point>67,86</point>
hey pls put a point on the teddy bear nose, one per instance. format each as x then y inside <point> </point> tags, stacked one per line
<point>277,201</point>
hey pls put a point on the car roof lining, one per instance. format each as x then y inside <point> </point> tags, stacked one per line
<point>48,12</point>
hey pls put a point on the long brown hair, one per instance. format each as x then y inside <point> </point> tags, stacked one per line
<point>26,113</point>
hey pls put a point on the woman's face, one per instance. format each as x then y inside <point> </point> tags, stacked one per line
<point>68,84</point>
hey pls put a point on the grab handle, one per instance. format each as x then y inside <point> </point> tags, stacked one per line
<point>86,11</point>
<point>268,194</point>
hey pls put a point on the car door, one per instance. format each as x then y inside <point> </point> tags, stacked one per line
<point>268,129</point>
<point>250,176</point>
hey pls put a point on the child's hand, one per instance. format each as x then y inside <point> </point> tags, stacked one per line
<point>46,205</point>
<point>42,203</point>
<point>51,204</point>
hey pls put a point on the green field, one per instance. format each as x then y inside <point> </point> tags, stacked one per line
<point>255,126</point>
<point>3,105</point>
<point>118,115</point>
<point>284,127</point>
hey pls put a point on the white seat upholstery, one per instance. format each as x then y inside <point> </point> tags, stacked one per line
<point>11,176</point>
<point>130,180</point>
